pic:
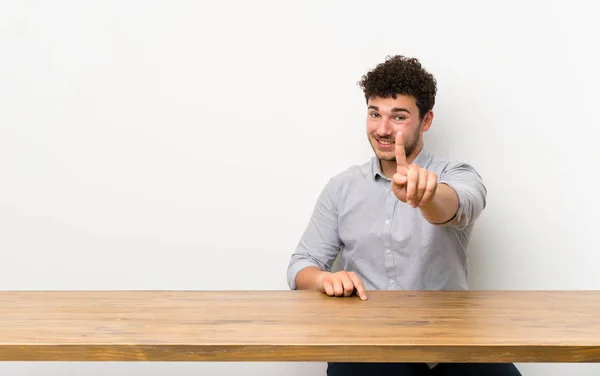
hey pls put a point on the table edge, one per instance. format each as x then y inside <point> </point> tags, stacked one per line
<point>315,353</point>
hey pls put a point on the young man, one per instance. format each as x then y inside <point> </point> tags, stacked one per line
<point>401,221</point>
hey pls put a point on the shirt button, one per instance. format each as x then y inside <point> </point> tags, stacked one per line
<point>387,221</point>
<point>388,251</point>
<point>391,281</point>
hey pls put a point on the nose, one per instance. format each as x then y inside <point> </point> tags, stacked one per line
<point>385,128</point>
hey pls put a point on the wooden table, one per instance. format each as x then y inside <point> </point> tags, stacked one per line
<point>488,326</point>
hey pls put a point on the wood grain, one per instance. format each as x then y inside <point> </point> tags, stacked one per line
<point>467,326</point>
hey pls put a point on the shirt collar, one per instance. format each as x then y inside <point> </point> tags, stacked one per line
<point>421,160</point>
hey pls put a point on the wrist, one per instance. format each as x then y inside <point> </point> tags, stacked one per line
<point>320,277</point>
<point>443,205</point>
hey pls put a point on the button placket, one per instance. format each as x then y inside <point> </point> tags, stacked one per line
<point>391,203</point>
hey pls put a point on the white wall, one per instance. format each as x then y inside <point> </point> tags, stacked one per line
<point>181,145</point>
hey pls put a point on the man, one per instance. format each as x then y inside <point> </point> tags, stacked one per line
<point>401,221</point>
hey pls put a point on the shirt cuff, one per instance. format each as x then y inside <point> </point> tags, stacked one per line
<point>456,220</point>
<point>295,268</point>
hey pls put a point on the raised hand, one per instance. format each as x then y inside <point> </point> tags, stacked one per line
<point>411,184</point>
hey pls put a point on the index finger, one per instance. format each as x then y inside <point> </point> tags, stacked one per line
<point>358,285</point>
<point>400,152</point>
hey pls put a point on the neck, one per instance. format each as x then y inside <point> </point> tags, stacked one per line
<point>389,168</point>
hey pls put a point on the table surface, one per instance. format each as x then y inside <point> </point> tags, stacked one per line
<point>457,326</point>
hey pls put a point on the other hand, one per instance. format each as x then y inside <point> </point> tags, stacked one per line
<point>342,284</point>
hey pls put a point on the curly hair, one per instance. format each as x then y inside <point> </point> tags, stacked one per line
<point>404,76</point>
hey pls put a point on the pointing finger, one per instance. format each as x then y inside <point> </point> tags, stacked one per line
<point>360,288</point>
<point>400,153</point>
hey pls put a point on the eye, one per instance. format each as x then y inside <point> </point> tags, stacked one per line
<point>400,118</point>
<point>374,114</point>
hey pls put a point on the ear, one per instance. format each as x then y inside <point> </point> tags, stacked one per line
<point>427,120</point>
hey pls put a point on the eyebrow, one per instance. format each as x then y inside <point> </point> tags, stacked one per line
<point>395,109</point>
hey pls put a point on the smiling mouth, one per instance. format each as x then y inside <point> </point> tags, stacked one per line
<point>385,143</point>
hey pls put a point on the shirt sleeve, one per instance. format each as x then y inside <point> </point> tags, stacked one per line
<point>320,243</point>
<point>471,192</point>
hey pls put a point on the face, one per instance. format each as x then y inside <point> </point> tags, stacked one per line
<point>387,116</point>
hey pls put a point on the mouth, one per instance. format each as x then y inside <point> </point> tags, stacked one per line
<point>385,144</point>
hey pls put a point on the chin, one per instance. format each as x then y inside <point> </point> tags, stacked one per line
<point>384,156</point>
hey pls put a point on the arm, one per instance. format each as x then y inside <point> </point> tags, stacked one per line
<point>319,245</point>
<point>443,206</point>
<point>310,265</point>
<point>310,278</point>
<point>470,191</point>
<point>455,199</point>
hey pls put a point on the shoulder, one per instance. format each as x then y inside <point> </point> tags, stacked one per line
<point>350,179</point>
<point>462,177</point>
<point>354,173</point>
<point>451,169</point>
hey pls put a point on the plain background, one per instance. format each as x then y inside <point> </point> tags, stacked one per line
<point>182,144</point>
